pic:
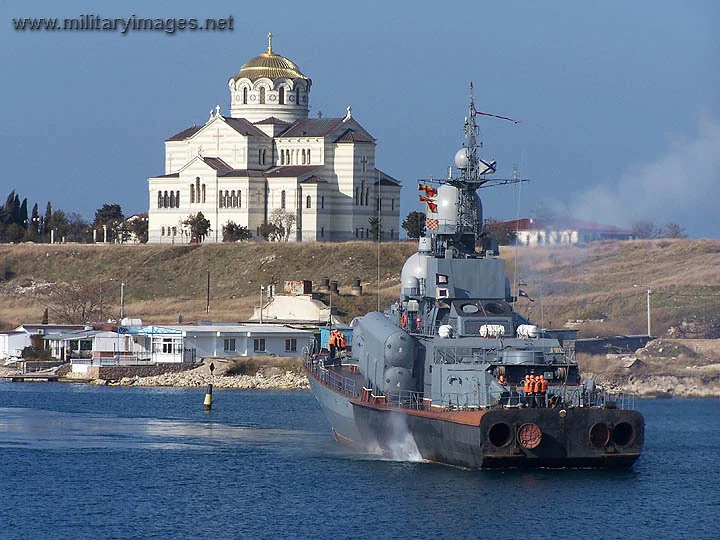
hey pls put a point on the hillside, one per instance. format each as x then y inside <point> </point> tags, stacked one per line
<point>603,284</point>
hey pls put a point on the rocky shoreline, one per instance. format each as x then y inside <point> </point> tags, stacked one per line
<point>698,381</point>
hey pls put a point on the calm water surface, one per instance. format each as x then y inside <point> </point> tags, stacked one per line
<point>84,462</point>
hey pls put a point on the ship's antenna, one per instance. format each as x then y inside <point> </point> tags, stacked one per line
<point>517,226</point>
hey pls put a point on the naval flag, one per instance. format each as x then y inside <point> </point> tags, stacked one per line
<point>429,190</point>
<point>431,204</point>
<point>487,167</point>
<point>524,295</point>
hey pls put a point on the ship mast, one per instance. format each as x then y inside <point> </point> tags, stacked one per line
<point>468,228</point>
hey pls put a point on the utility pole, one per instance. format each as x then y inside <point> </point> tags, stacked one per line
<point>122,300</point>
<point>648,311</point>
<point>262,288</point>
<point>207,307</point>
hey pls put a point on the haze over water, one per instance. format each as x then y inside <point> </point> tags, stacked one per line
<point>89,462</point>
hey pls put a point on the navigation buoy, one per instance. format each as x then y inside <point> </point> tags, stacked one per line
<point>207,405</point>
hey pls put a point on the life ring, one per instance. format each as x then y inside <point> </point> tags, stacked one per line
<point>403,318</point>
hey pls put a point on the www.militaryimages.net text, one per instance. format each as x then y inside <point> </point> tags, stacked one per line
<point>90,22</point>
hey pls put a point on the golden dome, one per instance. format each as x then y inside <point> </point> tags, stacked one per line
<point>270,65</point>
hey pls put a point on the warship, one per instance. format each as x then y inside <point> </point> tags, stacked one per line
<point>452,373</point>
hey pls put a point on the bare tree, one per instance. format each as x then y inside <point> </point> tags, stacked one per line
<point>74,303</point>
<point>284,220</point>
<point>673,230</point>
<point>644,228</point>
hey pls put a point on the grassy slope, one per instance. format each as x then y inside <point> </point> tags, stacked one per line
<point>163,282</point>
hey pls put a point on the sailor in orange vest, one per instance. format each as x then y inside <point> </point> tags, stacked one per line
<point>537,391</point>
<point>527,388</point>
<point>543,389</point>
<point>332,343</point>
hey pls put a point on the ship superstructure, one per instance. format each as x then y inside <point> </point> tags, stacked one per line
<point>452,371</point>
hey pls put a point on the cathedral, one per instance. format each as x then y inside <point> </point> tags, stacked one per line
<point>268,155</point>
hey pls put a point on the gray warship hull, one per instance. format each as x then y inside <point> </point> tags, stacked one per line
<point>452,372</point>
<point>577,437</point>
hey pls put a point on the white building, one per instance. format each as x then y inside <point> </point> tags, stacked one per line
<point>191,342</point>
<point>267,155</point>
<point>539,232</point>
<point>12,344</point>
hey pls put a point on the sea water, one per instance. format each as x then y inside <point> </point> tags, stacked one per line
<point>87,462</point>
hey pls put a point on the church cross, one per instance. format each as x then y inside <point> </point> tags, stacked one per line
<point>217,136</point>
<point>364,161</point>
<point>235,150</point>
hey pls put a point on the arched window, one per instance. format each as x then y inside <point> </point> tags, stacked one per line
<point>282,157</point>
<point>245,96</point>
<point>322,232</point>
<point>322,201</point>
<point>172,199</point>
<point>367,196</point>
<point>297,95</point>
<point>239,205</point>
<point>227,198</point>
<point>308,156</point>
<point>162,231</point>
<point>233,199</point>
<point>262,95</point>
<point>303,156</point>
<point>192,193</point>
<point>177,199</point>
<point>203,193</point>
<point>166,200</point>
<point>282,199</point>
<point>263,156</point>
<point>281,96</point>
<point>357,197</point>
<point>308,202</point>
<point>197,189</point>
<point>160,199</point>
<point>392,203</point>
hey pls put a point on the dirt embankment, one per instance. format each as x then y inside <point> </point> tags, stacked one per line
<point>663,368</point>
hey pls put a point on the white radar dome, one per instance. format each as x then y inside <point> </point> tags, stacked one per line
<point>461,158</point>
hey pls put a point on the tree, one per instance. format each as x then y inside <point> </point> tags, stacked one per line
<point>74,303</point>
<point>284,221</point>
<point>199,227</point>
<point>138,227</point>
<point>77,228</point>
<point>110,216</point>
<point>376,231</point>
<point>644,228</point>
<point>45,229</point>
<point>59,223</point>
<point>271,232</point>
<point>234,233</point>
<point>500,231</point>
<point>414,224</point>
<point>673,230</point>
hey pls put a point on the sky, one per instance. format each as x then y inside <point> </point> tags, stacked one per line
<point>619,101</point>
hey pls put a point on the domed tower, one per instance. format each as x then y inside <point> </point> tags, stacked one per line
<point>269,85</point>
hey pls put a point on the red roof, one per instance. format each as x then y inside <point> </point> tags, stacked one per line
<point>530,224</point>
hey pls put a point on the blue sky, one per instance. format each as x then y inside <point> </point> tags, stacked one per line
<point>620,101</point>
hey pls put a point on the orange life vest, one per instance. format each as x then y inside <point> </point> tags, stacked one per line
<point>544,385</point>
<point>528,386</point>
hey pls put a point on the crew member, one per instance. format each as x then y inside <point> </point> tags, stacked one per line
<point>527,388</point>
<point>501,380</point>
<point>332,343</point>
<point>543,388</point>
<point>537,387</point>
